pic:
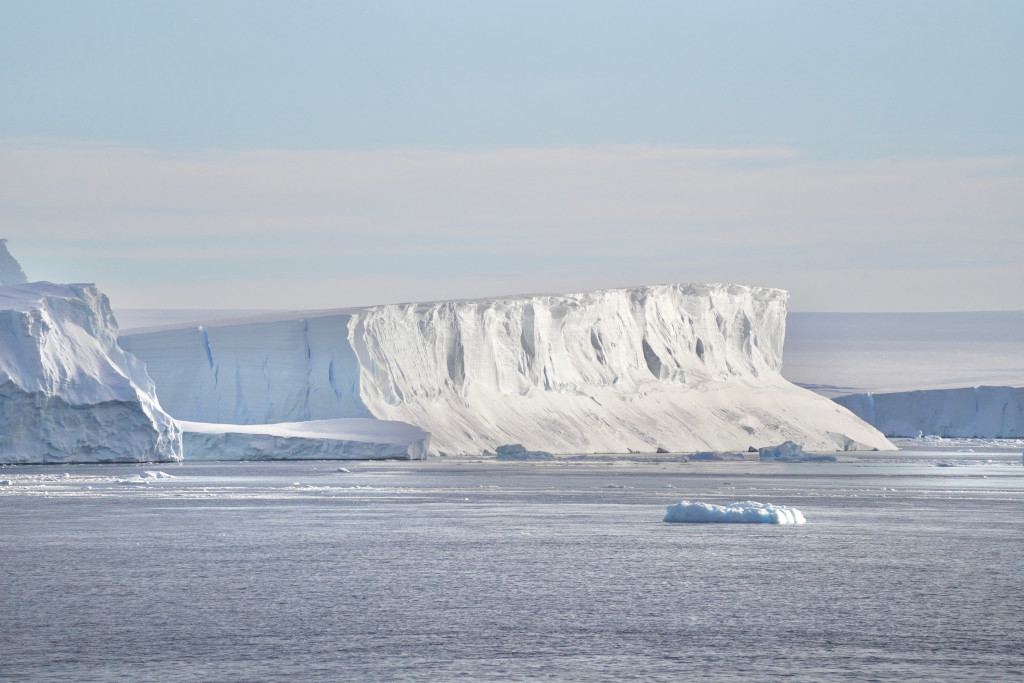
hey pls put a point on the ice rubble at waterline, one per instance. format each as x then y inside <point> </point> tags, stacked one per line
<point>686,367</point>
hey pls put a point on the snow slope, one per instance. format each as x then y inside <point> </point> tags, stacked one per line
<point>340,439</point>
<point>68,392</point>
<point>987,412</point>
<point>683,367</point>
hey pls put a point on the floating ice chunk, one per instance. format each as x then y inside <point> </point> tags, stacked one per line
<point>155,475</point>
<point>791,452</point>
<point>706,455</point>
<point>517,451</point>
<point>784,451</point>
<point>749,512</point>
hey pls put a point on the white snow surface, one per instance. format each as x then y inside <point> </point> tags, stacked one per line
<point>981,412</point>
<point>68,392</point>
<point>338,439</point>
<point>687,367</point>
<point>749,512</point>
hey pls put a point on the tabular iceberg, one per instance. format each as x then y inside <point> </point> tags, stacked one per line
<point>68,392</point>
<point>683,367</point>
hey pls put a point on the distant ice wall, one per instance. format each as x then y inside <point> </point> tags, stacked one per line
<point>985,412</point>
<point>683,367</point>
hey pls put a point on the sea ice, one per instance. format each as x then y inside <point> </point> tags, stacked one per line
<point>749,512</point>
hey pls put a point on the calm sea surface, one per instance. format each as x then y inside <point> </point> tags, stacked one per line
<point>459,569</point>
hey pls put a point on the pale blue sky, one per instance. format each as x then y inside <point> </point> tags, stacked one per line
<point>865,155</point>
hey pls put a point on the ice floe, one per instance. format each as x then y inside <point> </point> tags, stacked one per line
<point>749,512</point>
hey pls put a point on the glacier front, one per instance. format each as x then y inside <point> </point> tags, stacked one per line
<point>68,392</point>
<point>685,367</point>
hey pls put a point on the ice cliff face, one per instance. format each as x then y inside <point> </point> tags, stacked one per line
<point>68,392</point>
<point>987,412</point>
<point>682,367</point>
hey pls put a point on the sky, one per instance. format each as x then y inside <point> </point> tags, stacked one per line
<point>865,156</point>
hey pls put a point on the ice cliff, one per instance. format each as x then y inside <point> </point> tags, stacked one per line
<point>682,367</point>
<point>68,392</point>
<point>987,412</point>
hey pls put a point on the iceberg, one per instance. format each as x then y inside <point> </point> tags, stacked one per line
<point>792,452</point>
<point>516,451</point>
<point>68,391</point>
<point>995,412</point>
<point>340,439</point>
<point>748,512</point>
<point>684,367</point>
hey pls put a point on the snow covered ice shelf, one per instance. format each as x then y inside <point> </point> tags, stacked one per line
<point>682,367</point>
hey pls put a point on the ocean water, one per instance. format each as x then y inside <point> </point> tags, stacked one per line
<point>461,569</point>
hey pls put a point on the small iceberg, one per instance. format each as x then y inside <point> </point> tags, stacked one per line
<point>749,512</point>
<point>792,452</point>
<point>516,451</point>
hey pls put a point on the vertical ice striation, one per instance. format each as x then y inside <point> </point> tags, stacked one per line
<point>684,367</point>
